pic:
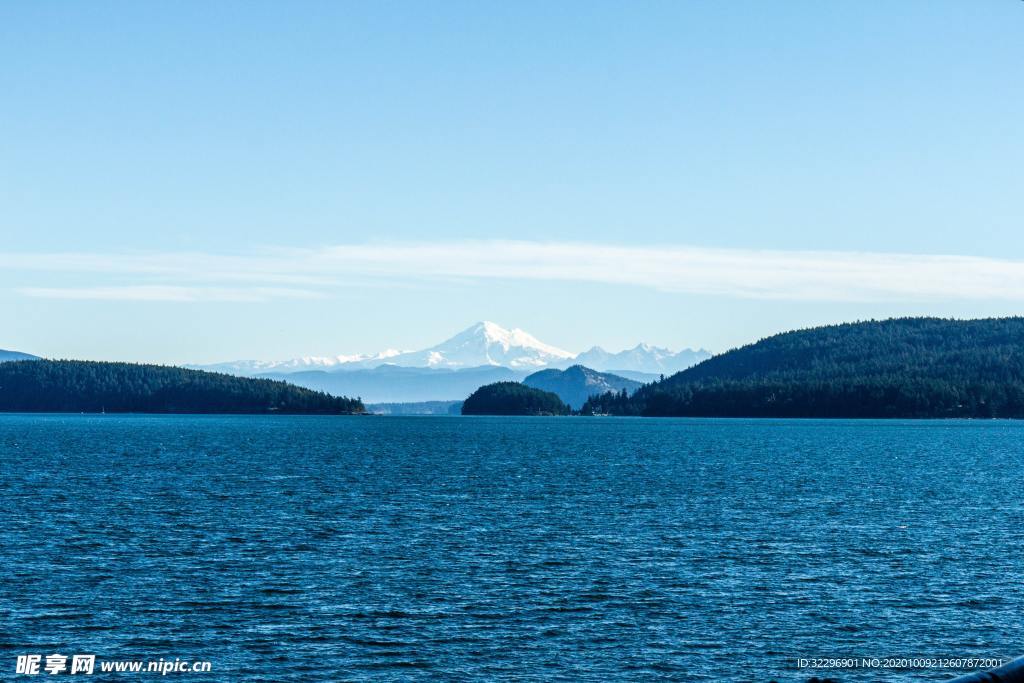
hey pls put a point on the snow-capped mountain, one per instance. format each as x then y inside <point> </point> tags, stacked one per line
<point>642,358</point>
<point>486,344</point>
<point>482,344</point>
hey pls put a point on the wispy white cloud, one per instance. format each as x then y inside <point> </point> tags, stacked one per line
<point>743,273</point>
<point>168,293</point>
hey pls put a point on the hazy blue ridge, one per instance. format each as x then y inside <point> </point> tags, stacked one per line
<point>6,355</point>
<point>576,384</point>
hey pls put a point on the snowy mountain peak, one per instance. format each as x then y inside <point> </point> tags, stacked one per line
<point>487,343</point>
<point>494,333</point>
<point>485,329</point>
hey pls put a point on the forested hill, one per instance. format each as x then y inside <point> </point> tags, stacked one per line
<point>906,367</point>
<point>87,386</point>
<point>513,398</point>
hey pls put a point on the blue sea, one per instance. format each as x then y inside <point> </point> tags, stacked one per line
<point>520,549</point>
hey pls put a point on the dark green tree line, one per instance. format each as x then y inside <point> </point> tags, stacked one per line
<point>88,386</point>
<point>907,367</point>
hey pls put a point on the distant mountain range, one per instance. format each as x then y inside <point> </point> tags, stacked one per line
<point>484,343</point>
<point>481,354</point>
<point>252,368</point>
<point>648,360</point>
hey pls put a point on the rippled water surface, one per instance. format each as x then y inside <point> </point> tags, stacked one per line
<point>317,548</point>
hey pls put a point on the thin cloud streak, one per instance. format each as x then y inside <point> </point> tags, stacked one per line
<point>738,273</point>
<point>167,293</point>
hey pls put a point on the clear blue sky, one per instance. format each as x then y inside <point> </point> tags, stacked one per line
<point>187,181</point>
